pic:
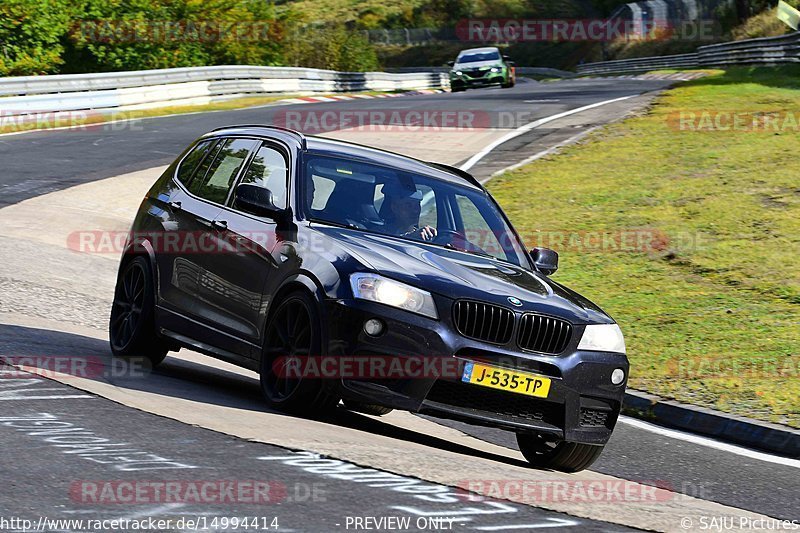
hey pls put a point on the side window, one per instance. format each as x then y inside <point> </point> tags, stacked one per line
<point>201,171</point>
<point>476,229</point>
<point>428,215</point>
<point>221,173</point>
<point>193,159</point>
<point>320,192</point>
<point>269,170</point>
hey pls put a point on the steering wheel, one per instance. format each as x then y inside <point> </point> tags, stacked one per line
<point>457,240</point>
<point>447,236</point>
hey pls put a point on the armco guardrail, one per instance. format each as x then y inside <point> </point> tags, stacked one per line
<point>153,88</point>
<point>522,71</point>
<point>639,64</point>
<point>763,51</point>
<point>766,50</point>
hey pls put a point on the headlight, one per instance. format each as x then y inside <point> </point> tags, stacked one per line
<point>459,73</point>
<point>495,69</point>
<point>603,338</point>
<point>390,292</point>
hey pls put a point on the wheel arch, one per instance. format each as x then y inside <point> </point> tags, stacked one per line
<point>301,281</point>
<point>141,247</point>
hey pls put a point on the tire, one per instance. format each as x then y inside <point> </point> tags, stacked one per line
<point>294,330</point>
<point>367,408</point>
<point>563,456</point>
<point>457,89</point>
<point>131,326</point>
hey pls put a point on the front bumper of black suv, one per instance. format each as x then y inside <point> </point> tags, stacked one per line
<point>582,405</point>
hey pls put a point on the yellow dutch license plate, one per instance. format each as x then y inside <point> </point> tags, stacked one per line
<point>508,380</point>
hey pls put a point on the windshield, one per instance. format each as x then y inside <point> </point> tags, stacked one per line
<point>411,206</point>
<point>479,56</point>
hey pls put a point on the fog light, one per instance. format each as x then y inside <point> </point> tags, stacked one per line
<point>373,327</point>
<point>617,376</point>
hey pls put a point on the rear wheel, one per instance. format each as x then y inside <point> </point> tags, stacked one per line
<point>293,332</point>
<point>557,455</point>
<point>132,330</point>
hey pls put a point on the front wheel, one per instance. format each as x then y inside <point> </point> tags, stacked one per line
<point>557,455</point>
<point>293,333</point>
<point>132,330</point>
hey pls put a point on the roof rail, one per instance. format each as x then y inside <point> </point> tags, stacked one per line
<point>458,172</point>
<point>300,136</point>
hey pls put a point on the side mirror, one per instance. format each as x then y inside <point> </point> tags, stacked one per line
<point>451,63</point>
<point>545,260</point>
<point>256,200</point>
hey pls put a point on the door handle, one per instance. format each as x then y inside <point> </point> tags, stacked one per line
<point>175,206</point>
<point>220,225</point>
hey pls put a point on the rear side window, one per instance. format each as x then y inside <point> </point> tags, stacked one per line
<point>214,184</point>
<point>191,161</point>
<point>269,170</point>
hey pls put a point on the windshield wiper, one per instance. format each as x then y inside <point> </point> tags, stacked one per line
<point>347,225</point>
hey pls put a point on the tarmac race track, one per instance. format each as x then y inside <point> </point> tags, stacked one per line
<point>77,447</point>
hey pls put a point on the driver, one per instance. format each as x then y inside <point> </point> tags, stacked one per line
<point>401,209</point>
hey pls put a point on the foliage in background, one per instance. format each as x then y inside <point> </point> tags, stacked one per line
<point>330,47</point>
<point>442,16</point>
<point>99,49</point>
<point>763,24</point>
<point>30,35</point>
<point>45,36</point>
<point>357,14</point>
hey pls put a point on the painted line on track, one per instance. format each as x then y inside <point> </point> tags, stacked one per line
<point>710,443</point>
<point>535,124</point>
<point>534,157</point>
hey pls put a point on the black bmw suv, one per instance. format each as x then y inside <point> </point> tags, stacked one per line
<point>341,272</point>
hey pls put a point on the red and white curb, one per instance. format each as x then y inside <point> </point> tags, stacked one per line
<point>340,97</point>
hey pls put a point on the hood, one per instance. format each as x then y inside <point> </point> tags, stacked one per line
<point>478,64</point>
<point>456,274</point>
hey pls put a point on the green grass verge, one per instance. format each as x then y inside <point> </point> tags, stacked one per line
<point>711,311</point>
